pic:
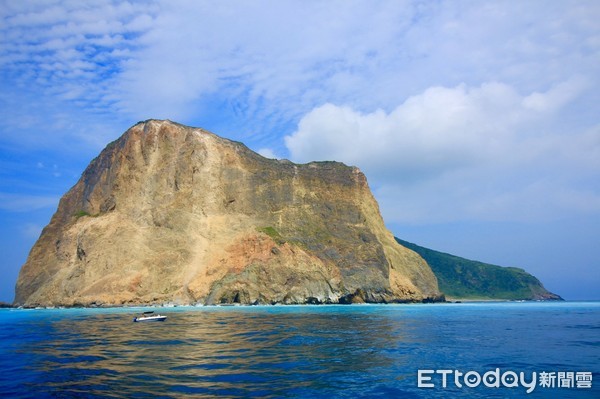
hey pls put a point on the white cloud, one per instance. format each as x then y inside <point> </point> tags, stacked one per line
<point>437,129</point>
<point>482,152</point>
<point>70,43</point>
<point>270,58</point>
<point>555,98</point>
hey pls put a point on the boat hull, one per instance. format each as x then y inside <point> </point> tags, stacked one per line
<point>153,318</point>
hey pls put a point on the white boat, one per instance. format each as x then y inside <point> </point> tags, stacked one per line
<point>149,316</point>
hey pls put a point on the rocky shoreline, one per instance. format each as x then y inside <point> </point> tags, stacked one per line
<point>453,301</point>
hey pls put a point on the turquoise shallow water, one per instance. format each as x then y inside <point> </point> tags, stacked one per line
<point>298,351</point>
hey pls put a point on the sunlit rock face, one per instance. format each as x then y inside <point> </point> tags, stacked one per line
<point>170,213</point>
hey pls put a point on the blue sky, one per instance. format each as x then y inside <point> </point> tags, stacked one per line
<point>476,123</point>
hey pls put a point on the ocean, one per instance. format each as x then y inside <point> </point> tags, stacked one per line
<point>466,350</point>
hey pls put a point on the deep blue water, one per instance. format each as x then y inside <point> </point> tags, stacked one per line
<point>353,351</point>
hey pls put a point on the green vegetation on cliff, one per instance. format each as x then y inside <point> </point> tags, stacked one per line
<point>460,278</point>
<point>274,234</point>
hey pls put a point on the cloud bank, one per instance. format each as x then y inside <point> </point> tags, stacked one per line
<point>486,153</point>
<point>265,64</point>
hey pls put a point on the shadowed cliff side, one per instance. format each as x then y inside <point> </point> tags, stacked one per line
<point>169,213</point>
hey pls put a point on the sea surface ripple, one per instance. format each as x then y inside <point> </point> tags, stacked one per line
<point>292,351</point>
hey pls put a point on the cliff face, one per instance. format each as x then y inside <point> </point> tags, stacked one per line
<point>169,213</point>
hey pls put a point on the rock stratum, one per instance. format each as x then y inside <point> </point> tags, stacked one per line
<point>173,214</point>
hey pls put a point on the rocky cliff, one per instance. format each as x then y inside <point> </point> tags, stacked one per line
<point>169,213</point>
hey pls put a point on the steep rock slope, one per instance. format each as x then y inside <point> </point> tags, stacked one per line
<point>169,213</point>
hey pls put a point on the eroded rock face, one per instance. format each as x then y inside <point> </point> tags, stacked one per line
<point>169,213</point>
